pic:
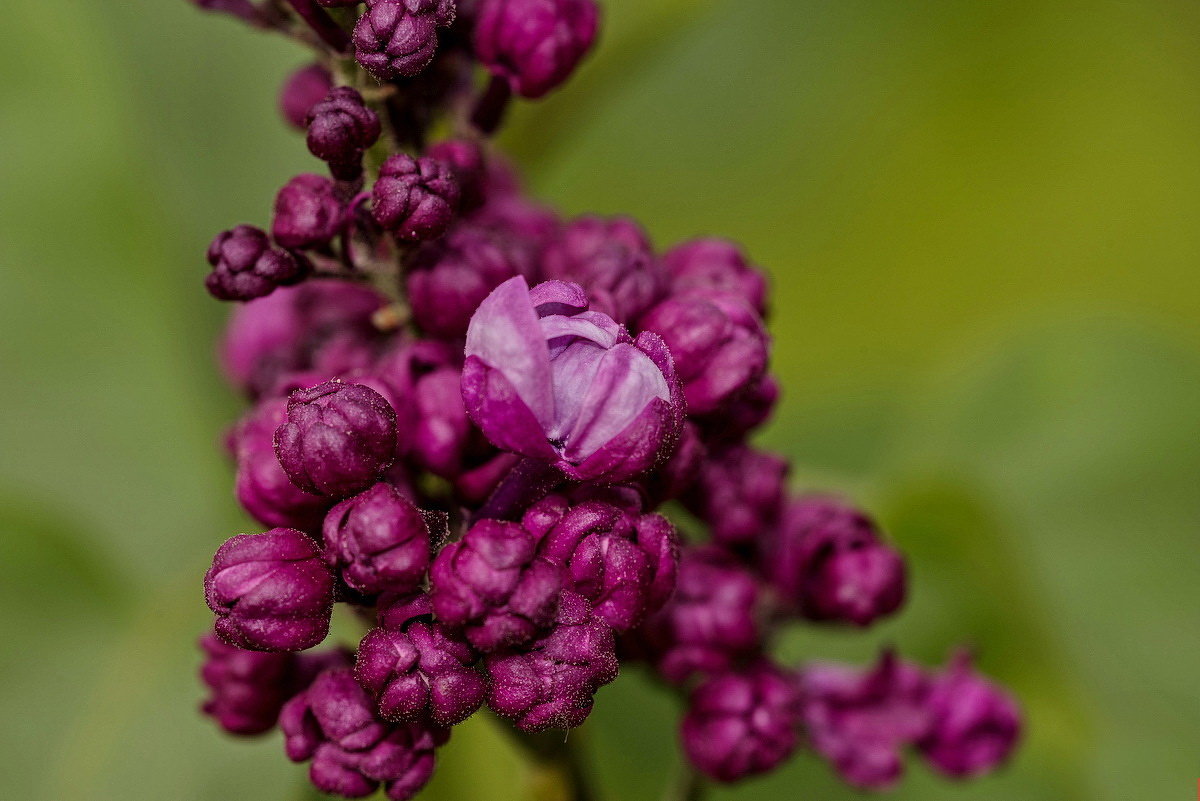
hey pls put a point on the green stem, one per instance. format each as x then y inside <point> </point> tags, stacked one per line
<point>557,766</point>
<point>688,786</point>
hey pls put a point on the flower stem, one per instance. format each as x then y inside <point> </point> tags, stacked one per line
<point>322,24</point>
<point>489,111</point>
<point>688,786</point>
<point>557,770</point>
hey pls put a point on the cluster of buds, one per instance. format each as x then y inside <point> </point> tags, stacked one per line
<point>467,414</point>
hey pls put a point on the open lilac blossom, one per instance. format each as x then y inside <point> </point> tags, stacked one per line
<point>829,561</point>
<point>742,723</point>
<point>624,565</point>
<point>974,724</point>
<point>246,266</point>
<point>379,541</point>
<point>416,669</point>
<point>353,752</point>
<point>550,684</point>
<point>718,342</point>
<point>614,262</point>
<point>398,38</point>
<point>534,44</point>
<point>494,586</point>
<point>338,438</point>
<point>861,720</point>
<point>547,378</point>
<point>270,592</point>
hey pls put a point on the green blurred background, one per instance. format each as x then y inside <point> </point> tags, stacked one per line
<point>981,223</point>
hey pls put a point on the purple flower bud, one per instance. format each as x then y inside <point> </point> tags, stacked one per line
<point>425,377</point>
<point>248,688</point>
<point>308,212</point>
<point>623,564</point>
<point>613,261</point>
<point>262,487</point>
<point>746,411</point>
<point>493,585</point>
<point>352,751</point>
<point>534,44</point>
<point>379,541</point>
<point>718,342</point>
<point>974,724</point>
<point>712,620</point>
<point>270,592</point>
<point>418,671</point>
<point>518,217</point>
<point>739,493</point>
<point>449,278</point>
<point>548,379</point>
<point>677,474</point>
<point>716,265</point>
<point>303,89</point>
<point>415,198</point>
<point>245,266</point>
<point>466,160</point>
<point>323,325</point>
<point>338,438</point>
<point>398,38</point>
<point>550,684</point>
<point>860,720</point>
<point>340,129</point>
<point>828,561</point>
<point>741,724</point>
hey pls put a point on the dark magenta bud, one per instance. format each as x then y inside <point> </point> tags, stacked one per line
<point>613,260</point>
<point>746,411</point>
<point>417,670</point>
<point>534,44</point>
<point>308,212</point>
<point>716,265</point>
<point>246,266</point>
<point>338,439</point>
<point>415,198</point>
<point>740,724</point>
<point>739,492</point>
<point>379,541</point>
<point>303,89</point>
<point>860,720</point>
<point>322,326</point>
<point>974,724</point>
<point>270,592</point>
<point>718,342</point>
<point>449,278</point>
<point>353,753</point>
<point>828,561</point>
<point>623,564</point>
<point>340,129</point>
<point>674,476</point>
<point>425,378</point>
<point>247,688</point>
<point>262,487</point>
<point>548,379</point>
<point>467,161</point>
<point>711,622</point>
<point>493,585</point>
<point>550,684</point>
<point>398,38</point>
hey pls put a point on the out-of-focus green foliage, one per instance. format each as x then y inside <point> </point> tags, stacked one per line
<point>980,219</point>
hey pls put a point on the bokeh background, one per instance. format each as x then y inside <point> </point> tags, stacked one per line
<point>981,221</point>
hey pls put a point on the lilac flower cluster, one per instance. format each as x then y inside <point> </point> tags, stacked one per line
<point>467,414</point>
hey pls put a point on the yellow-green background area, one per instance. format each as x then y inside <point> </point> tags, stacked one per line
<point>981,221</point>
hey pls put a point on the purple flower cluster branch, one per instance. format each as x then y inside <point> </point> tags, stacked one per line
<point>471,421</point>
